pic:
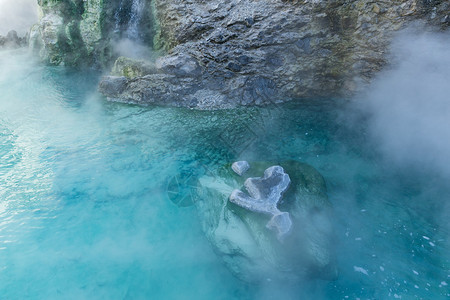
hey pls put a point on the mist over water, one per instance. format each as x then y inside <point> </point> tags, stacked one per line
<point>133,49</point>
<point>17,15</point>
<point>85,213</point>
<point>408,115</point>
<point>409,104</point>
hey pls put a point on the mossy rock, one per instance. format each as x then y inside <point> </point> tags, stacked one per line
<point>132,68</point>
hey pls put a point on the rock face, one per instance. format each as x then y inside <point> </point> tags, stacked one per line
<point>248,247</point>
<point>222,54</point>
<point>246,52</point>
<point>57,37</point>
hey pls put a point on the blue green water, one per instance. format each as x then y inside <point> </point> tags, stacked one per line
<point>87,193</point>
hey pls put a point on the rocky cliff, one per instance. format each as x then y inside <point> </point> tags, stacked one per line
<point>220,54</point>
<point>83,32</point>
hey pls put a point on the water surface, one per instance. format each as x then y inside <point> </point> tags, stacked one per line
<point>87,193</point>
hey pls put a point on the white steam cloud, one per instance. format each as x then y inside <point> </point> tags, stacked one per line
<point>132,49</point>
<point>18,15</point>
<point>408,109</point>
<point>409,105</point>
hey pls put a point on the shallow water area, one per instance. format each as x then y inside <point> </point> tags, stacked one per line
<point>89,191</point>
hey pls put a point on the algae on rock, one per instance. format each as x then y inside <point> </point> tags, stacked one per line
<point>131,68</point>
<point>81,32</point>
<point>91,24</point>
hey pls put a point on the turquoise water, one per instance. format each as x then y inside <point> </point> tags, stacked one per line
<point>89,192</point>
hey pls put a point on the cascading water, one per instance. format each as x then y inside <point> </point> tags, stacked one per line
<point>128,18</point>
<point>137,9</point>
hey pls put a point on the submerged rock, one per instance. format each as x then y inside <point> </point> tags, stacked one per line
<point>242,238</point>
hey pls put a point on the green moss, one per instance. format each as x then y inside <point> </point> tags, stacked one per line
<point>158,43</point>
<point>131,68</point>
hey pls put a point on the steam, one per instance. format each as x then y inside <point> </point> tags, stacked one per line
<point>409,105</point>
<point>408,117</point>
<point>133,49</point>
<point>18,15</point>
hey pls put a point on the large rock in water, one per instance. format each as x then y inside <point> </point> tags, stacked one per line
<point>251,250</point>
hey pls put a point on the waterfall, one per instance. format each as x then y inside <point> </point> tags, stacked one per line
<point>128,18</point>
<point>132,28</point>
<point>137,9</point>
<point>117,17</point>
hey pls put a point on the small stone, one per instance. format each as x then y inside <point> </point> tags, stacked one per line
<point>376,8</point>
<point>240,167</point>
<point>234,67</point>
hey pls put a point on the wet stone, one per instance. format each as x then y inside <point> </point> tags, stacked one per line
<point>240,167</point>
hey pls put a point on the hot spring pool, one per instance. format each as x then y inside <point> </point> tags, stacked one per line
<point>88,191</point>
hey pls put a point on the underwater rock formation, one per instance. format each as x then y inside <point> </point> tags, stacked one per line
<point>248,247</point>
<point>264,195</point>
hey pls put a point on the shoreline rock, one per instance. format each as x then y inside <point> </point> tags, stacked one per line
<point>232,53</point>
<point>251,53</point>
